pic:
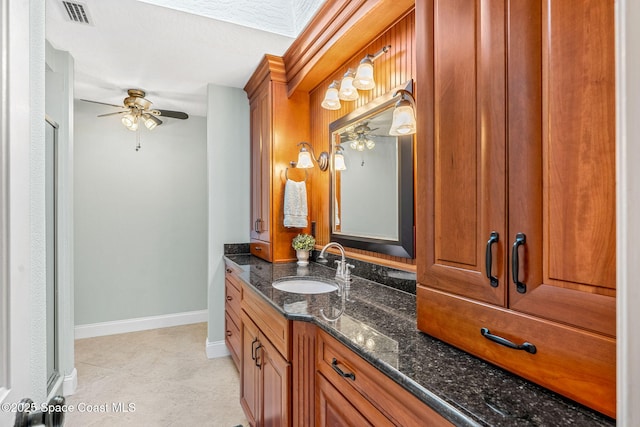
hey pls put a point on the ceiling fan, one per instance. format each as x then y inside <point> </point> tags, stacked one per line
<point>359,136</point>
<point>136,108</point>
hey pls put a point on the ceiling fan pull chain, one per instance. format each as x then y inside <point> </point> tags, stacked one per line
<point>138,146</point>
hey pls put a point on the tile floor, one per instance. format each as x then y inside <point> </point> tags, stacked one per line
<point>160,377</point>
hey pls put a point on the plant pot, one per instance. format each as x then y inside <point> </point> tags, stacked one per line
<point>303,257</point>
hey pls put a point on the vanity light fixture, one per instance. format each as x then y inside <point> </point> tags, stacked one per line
<point>347,91</point>
<point>306,158</point>
<point>338,159</point>
<point>331,99</point>
<point>404,115</point>
<point>363,79</point>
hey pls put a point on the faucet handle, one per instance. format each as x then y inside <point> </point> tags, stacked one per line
<point>347,270</point>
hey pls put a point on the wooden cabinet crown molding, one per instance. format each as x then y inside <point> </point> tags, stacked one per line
<point>271,67</point>
<point>339,30</point>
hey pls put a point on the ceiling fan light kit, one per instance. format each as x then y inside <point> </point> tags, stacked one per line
<point>136,108</point>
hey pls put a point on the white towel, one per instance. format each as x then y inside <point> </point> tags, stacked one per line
<point>295,204</point>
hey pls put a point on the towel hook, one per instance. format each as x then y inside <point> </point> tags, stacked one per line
<point>286,174</point>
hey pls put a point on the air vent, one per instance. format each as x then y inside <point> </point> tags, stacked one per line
<point>76,12</point>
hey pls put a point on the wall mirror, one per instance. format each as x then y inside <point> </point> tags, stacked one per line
<point>372,194</point>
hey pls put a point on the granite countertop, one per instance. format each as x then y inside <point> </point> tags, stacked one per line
<point>379,324</point>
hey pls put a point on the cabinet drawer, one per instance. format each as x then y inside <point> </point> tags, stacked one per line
<point>232,295</point>
<point>272,324</point>
<point>397,404</point>
<point>232,338</point>
<point>578,364</point>
<point>261,249</point>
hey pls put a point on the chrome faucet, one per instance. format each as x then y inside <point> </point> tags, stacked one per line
<point>342,270</point>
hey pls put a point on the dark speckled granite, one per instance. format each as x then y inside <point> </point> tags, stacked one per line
<point>378,323</point>
<point>236,248</point>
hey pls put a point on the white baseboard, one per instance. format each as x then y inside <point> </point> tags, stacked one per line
<point>70,383</point>
<point>140,324</point>
<point>216,349</point>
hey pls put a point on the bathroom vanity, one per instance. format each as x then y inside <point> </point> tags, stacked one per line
<point>371,365</point>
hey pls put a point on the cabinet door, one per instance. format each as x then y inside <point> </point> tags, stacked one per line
<point>260,164</point>
<point>462,198</point>
<point>276,386</point>
<point>249,372</point>
<point>562,195</point>
<point>334,410</point>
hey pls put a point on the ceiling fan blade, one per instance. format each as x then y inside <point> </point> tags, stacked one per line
<point>173,114</point>
<point>111,114</point>
<point>103,103</point>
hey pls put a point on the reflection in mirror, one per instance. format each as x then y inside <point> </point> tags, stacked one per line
<point>372,195</point>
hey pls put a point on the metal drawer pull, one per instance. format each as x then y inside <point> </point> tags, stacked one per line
<point>527,346</point>
<point>228,333</point>
<point>229,298</point>
<point>334,365</point>
<point>521,239</point>
<point>493,280</point>
<point>229,270</point>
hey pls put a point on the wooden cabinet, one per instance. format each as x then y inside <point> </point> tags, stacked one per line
<point>516,187</point>
<point>265,388</point>
<point>232,294</point>
<point>278,123</point>
<point>349,388</point>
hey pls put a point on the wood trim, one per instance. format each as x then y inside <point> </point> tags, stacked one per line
<point>303,373</point>
<point>339,29</point>
<point>271,67</point>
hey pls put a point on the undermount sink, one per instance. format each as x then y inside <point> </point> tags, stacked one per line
<point>304,286</point>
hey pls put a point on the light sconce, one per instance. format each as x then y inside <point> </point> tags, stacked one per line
<point>404,116</point>
<point>331,99</point>
<point>306,158</point>
<point>347,91</point>
<point>363,79</point>
<point>338,159</point>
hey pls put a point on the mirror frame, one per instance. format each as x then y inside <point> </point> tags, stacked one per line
<point>404,246</point>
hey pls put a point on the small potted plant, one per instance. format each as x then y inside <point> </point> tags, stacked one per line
<point>303,243</point>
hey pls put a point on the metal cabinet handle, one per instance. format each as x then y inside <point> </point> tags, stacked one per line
<point>257,248</point>
<point>257,359</point>
<point>527,346</point>
<point>521,239</point>
<point>229,270</point>
<point>494,237</point>
<point>334,365</point>
<point>228,333</point>
<point>229,298</point>
<point>253,350</point>
<point>255,226</point>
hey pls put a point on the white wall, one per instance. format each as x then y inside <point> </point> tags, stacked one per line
<point>140,217</point>
<point>229,191</point>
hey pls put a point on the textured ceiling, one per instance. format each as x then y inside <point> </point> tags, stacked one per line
<point>173,49</point>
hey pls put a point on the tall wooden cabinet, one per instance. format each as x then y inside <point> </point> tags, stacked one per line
<point>516,187</point>
<point>278,123</point>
